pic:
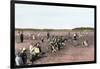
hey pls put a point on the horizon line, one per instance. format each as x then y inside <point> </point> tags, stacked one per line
<point>52,28</point>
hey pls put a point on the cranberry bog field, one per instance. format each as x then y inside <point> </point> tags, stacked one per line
<point>71,52</point>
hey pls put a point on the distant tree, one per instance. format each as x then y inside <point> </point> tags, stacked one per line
<point>83,28</point>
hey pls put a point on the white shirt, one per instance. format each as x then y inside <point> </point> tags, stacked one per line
<point>18,60</point>
<point>30,48</point>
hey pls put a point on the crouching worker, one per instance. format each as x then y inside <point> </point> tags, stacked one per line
<point>75,36</point>
<point>35,52</point>
<point>24,56</point>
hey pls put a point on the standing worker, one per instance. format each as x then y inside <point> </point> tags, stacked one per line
<point>48,35</point>
<point>33,37</point>
<point>18,37</point>
<point>21,37</point>
<point>24,55</point>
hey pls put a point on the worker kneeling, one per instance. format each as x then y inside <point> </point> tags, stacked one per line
<point>35,52</point>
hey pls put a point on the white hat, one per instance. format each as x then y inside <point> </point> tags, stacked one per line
<point>23,49</point>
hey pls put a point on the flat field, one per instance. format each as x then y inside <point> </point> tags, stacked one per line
<point>71,52</point>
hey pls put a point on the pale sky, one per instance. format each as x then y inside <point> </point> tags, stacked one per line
<point>52,17</point>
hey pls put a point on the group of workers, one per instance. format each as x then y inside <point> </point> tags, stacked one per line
<point>34,51</point>
<point>55,43</point>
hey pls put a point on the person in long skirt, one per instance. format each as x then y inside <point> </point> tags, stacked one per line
<point>21,37</point>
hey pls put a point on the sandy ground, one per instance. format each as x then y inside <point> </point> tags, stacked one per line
<point>69,53</point>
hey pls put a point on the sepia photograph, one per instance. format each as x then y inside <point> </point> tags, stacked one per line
<point>50,34</point>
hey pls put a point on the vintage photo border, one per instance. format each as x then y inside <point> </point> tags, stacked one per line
<point>12,32</point>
